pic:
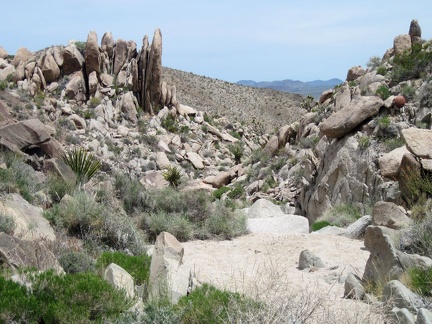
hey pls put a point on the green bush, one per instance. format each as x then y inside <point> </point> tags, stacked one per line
<point>319,224</point>
<point>137,266</point>
<point>342,215</point>
<point>384,122</point>
<point>393,143</point>
<point>7,224</point>
<point>421,280</point>
<point>170,124</point>
<point>218,193</point>
<point>81,297</point>
<point>75,262</point>
<point>236,192</point>
<point>208,304</point>
<point>97,224</point>
<point>3,85</point>
<point>83,164</point>
<point>408,92</point>
<point>173,175</point>
<point>364,142</point>
<point>226,223</point>
<point>94,102</point>
<point>57,188</point>
<point>383,92</point>
<point>176,224</point>
<point>412,64</point>
<point>131,192</point>
<point>237,150</point>
<point>309,142</point>
<point>189,215</point>
<point>374,62</point>
<point>18,177</point>
<point>382,70</point>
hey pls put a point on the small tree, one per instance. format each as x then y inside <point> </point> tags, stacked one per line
<point>237,150</point>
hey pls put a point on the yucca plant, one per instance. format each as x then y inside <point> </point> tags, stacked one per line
<point>82,163</point>
<point>173,176</point>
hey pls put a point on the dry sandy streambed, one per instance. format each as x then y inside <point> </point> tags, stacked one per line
<point>265,266</point>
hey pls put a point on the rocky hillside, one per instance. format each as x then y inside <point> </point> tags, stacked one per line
<point>264,109</point>
<point>103,150</point>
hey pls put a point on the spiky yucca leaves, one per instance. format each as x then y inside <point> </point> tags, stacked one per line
<point>173,176</point>
<point>83,164</point>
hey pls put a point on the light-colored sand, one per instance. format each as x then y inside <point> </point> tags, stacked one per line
<point>265,266</point>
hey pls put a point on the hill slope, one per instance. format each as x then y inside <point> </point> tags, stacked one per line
<point>238,103</point>
<point>313,88</point>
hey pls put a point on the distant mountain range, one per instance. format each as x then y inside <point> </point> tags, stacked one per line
<point>313,88</point>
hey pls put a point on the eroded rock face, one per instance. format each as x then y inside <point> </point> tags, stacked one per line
<point>390,215</point>
<point>30,224</point>
<point>76,87</point>
<point>401,44</point>
<point>354,73</point>
<point>50,69</point>
<point>107,44</point>
<point>418,142</point>
<point>385,261</point>
<point>16,253</point>
<point>120,55</point>
<point>153,85</point>
<point>345,120</point>
<point>22,55</point>
<point>28,133</point>
<point>72,60</point>
<point>340,178</point>
<point>169,278</point>
<point>92,54</point>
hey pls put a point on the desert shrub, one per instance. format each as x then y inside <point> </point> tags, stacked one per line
<point>75,262</point>
<point>384,122</point>
<point>383,92</point>
<point>309,142</point>
<point>170,124</point>
<point>421,280</point>
<point>131,192</point>
<point>237,150</point>
<point>159,312</point>
<point>217,194</point>
<point>417,185</point>
<point>208,304</point>
<point>341,215</point>
<point>176,224</point>
<point>7,224</point>
<point>364,142</point>
<point>411,64</point>
<point>374,62</point>
<point>83,164</point>
<point>382,70</point>
<point>393,143</point>
<point>417,238</point>
<point>319,224</point>
<point>237,191</point>
<point>3,85</point>
<point>17,177</point>
<point>97,224</point>
<point>81,297</point>
<point>226,223</point>
<point>408,92</point>
<point>137,266</point>
<point>94,102</point>
<point>189,215</point>
<point>57,188</point>
<point>173,175</point>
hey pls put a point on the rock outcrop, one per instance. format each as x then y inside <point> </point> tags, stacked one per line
<point>169,278</point>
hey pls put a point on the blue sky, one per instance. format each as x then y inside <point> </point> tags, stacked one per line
<point>229,40</point>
